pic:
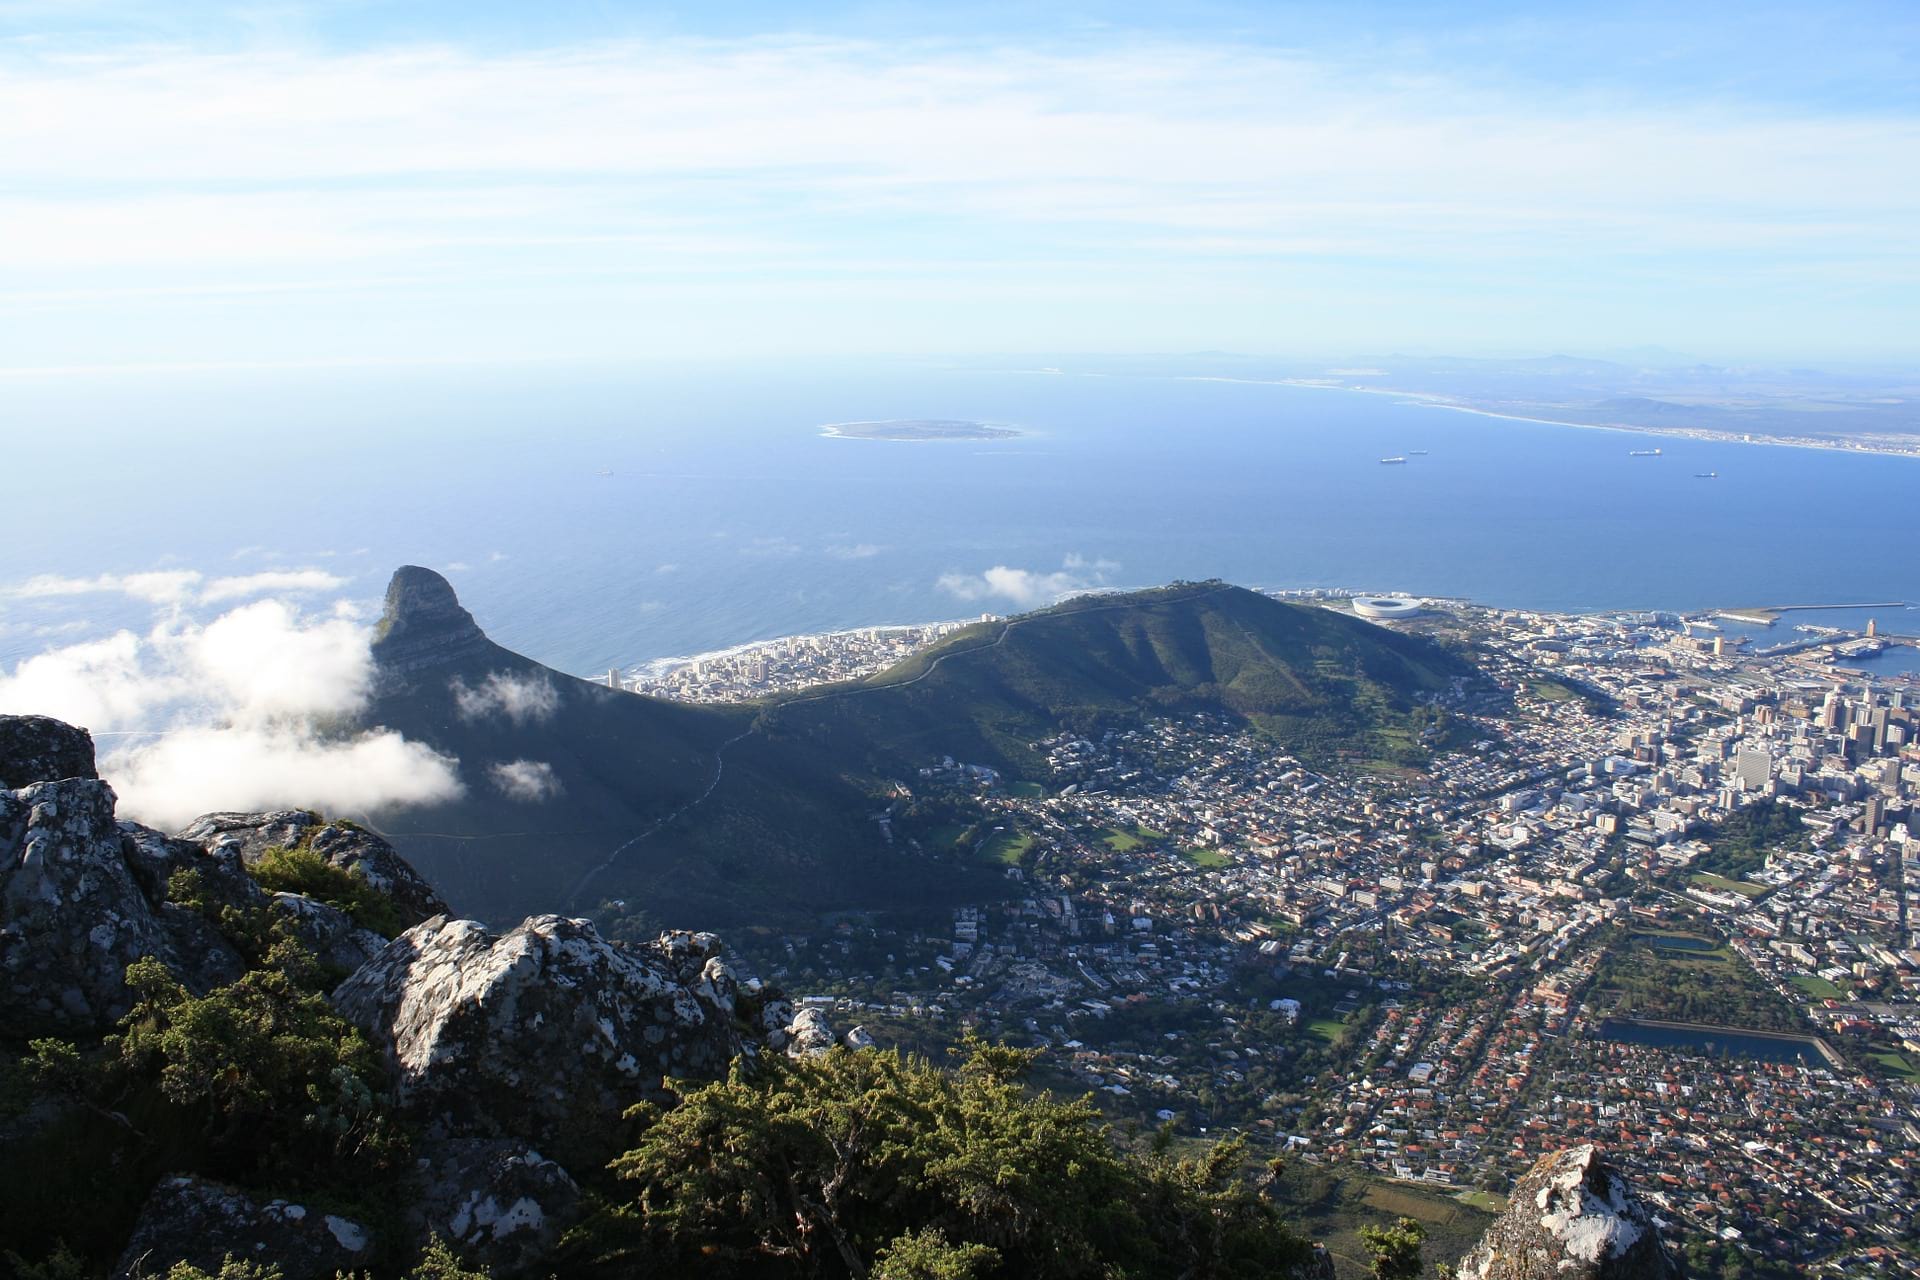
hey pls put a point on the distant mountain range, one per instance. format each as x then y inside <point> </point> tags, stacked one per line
<point>764,812</point>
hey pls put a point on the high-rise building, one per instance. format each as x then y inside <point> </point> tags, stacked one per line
<point>1753,768</point>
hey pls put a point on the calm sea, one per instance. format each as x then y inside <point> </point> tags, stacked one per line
<point>592,517</point>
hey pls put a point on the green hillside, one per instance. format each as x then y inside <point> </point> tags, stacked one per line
<point>1327,685</point>
<point>713,816</point>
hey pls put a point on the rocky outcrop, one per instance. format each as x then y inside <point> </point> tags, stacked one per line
<point>328,932</point>
<point>83,896</point>
<point>809,1034</point>
<point>1572,1217</point>
<point>499,1204</point>
<point>200,1222</point>
<point>73,915</point>
<point>38,749</point>
<point>343,845</point>
<point>545,1033</point>
<point>423,624</point>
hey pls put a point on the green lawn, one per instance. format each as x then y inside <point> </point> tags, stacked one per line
<point>1484,1200</point>
<point>1148,833</point>
<point>1745,888</point>
<point>1818,988</point>
<point>1026,790</point>
<point>1327,1029</point>
<point>1008,848</point>
<point>947,836</point>
<point>1207,859</point>
<point>1894,1064</point>
<point>1551,691</point>
<point>1121,841</point>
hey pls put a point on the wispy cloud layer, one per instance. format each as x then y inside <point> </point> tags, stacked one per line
<point>1159,171</point>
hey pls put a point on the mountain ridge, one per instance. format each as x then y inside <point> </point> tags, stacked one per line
<point>760,811</point>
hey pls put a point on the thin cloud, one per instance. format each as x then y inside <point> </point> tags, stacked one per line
<point>521,699</point>
<point>179,586</point>
<point>527,781</point>
<point>1029,588</point>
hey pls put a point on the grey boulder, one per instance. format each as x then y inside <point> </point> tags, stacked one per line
<point>40,749</point>
<point>497,1203</point>
<point>197,1221</point>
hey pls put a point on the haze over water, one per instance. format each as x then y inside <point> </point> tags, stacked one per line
<point>591,518</point>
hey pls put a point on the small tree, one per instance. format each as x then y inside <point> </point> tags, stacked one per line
<point>1395,1250</point>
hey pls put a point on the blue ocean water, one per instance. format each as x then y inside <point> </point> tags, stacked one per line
<point>595,517</point>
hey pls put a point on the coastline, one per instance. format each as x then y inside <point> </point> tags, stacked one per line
<point>1437,400</point>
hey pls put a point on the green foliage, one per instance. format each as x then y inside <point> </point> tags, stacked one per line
<point>439,1262</point>
<point>271,1079</point>
<point>1394,1251</point>
<point>231,1268</point>
<point>843,1163</point>
<point>926,1255</point>
<point>300,870</point>
<point>1740,847</point>
<point>1638,979</point>
<point>61,1264</point>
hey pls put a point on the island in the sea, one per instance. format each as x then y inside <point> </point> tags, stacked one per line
<point>917,429</point>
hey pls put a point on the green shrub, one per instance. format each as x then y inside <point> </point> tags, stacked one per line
<point>853,1161</point>
<point>299,869</point>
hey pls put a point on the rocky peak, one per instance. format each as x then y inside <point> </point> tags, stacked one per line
<point>424,623</point>
<point>39,749</point>
<point>1572,1217</point>
<point>544,1033</point>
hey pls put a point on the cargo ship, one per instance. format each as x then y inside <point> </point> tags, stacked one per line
<point>1391,461</point>
<point>1643,453</point>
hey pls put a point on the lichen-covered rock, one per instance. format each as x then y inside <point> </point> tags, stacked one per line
<point>330,933</point>
<point>343,845</point>
<point>200,1222</point>
<point>72,916</point>
<point>546,1033</point>
<point>859,1038</point>
<point>40,749</point>
<point>500,1204</point>
<point>1572,1217</point>
<point>809,1034</point>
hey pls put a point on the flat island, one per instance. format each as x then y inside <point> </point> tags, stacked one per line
<point>917,429</point>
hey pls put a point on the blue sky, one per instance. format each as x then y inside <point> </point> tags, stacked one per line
<point>321,183</point>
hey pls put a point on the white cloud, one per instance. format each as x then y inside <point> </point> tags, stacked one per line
<point>220,590</point>
<point>521,699</point>
<point>167,586</point>
<point>236,713</point>
<point>1029,588</point>
<point>528,781</point>
<point>198,770</point>
<point>858,551</point>
<point>178,586</point>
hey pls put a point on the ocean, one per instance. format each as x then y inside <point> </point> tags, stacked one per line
<point>607,517</point>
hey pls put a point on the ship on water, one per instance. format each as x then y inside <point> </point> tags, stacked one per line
<point>1391,461</point>
<point>1643,453</point>
<point>1706,475</point>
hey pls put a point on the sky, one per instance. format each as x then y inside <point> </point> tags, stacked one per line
<point>351,183</point>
